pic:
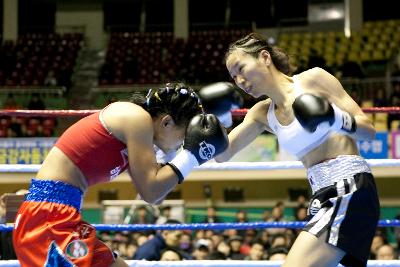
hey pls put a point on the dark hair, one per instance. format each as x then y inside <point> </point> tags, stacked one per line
<point>172,221</point>
<point>216,255</point>
<point>254,43</point>
<point>173,250</point>
<point>175,99</point>
<point>277,250</point>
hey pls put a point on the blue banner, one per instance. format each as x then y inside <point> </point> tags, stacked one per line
<point>375,149</point>
<point>25,150</point>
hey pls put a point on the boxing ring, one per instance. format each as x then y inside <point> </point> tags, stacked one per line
<point>210,226</point>
<point>261,166</point>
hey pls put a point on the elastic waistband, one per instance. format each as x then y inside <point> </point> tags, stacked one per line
<point>55,191</point>
<point>327,173</point>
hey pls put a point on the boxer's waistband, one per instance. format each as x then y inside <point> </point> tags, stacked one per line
<point>328,172</point>
<point>55,191</point>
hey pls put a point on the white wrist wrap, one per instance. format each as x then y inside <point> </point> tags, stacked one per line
<point>338,124</point>
<point>344,122</point>
<point>163,157</point>
<point>225,119</point>
<point>185,161</point>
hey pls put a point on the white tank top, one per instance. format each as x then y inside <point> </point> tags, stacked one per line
<point>293,137</point>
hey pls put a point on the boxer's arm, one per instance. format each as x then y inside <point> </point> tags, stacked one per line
<point>253,124</point>
<point>151,182</point>
<point>330,88</point>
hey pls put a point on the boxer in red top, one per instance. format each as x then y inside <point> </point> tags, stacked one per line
<point>49,230</point>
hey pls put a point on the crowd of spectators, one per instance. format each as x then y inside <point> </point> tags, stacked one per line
<point>245,244</point>
<point>249,244</point>
<point>18,126</point>
<point>37,59</point>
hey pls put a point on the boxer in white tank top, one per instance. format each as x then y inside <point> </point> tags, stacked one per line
<point>318,122</point>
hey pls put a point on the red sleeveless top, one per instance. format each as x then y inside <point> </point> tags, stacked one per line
<point>97,153</point>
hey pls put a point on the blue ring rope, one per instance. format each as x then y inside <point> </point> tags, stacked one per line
<point>203,226</point>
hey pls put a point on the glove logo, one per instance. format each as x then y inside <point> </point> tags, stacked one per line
<point>347,122</point>
<point>315,206</point>
<point>206,150</point>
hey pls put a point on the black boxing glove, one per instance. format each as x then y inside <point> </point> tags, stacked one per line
<point>311,111</point>
<point>219,99</point>
<point>205,138</point>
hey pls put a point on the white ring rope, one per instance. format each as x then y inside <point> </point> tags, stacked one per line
<point>217,263</point>
<point>271,165</point>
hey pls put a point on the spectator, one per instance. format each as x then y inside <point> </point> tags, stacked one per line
<point>279,240</point>
<point>396,231</point>
<point>264,237</point>
<point>394,101</point>
<point>10,102</point>
<point>386,252</point>
<point>276,216</point>
<point>301,201</point>
<point>229,233</point>
<point>241,217</point>
<point>266,215</point>
<point>316,60</point>
<point>130,69</point>
<point>107,73</point>
<point>131,248</point>
<point>301,213</point>
<point>2,210</point>
<point>165,215</point>
<point>235,244</point>
<point>141,239</point>
<point>377,241</point>
<point>217,239</point>
<point>224,248</point>
<point>111,99</point>
<point>202,249</point>
<point>199,234</point>
<point>356,96</point>
<point>152,248</point>
<point>208,234</point>
<point>380,98</point>
<point>211,216</point>
<point>142,216</point>
<point>277,254</point>
<point>64,78</point>
<point>16,128</point>
<point>249,236</point>
<point>351,69</point>
<point>216,255</point>
<point>290,235</point>
<point>257,252</point>
<point>170,255</point>
<point>50,79</point>
<point>185,243</point>
<point>350,72</point>
<point>36,103</point>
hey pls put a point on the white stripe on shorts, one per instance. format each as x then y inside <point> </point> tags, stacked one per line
<point>323,216</point>
<point>337,222</point>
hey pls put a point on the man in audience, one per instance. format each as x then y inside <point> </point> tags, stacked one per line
<point>386,252</point>
<point>171,255</point>
<point>257,252</point>
<point>277,253</point>
<point>152,248</point>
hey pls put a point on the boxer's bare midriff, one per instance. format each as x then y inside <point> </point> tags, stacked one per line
<point>57,166</point>
<point>333,147</point>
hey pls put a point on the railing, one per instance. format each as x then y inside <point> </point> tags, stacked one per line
<point>60,90</point>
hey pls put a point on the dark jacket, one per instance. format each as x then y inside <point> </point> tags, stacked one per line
<point>151,249</point>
